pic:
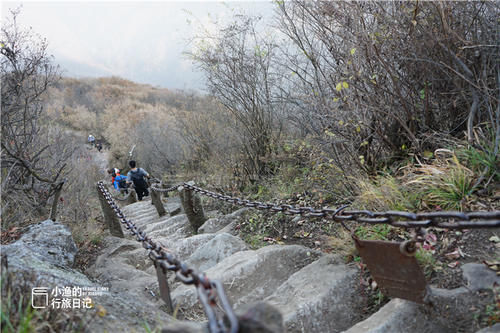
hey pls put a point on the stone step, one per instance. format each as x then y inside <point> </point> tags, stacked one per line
<point>313,292</point>
<point>163,223</point>
<point>399,316</point>
<point>250,276</point>
<point>214,251</point>
<point>321,297</point>
<point>177,227</point>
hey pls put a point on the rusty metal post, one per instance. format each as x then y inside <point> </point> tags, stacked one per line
<point>156,200</point>
<point>161,274</point>
<point>191,202</point>
<point>110,217</point>
<point>57,195</point>
<point>105,209</point>
<point>167,185</point>
<point>394,267</point>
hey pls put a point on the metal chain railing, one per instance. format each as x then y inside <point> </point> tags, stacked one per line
<point>164,190</point>
<point>209,291</point>
<point>441,219</point>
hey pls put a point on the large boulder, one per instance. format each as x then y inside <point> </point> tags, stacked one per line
<point>47,251</point>
<point>122,267</point>
<point>214,251</point>
<point>43,257</point>
<point>321,297</point>
<point>250,276</point>
<point>49,241</point>
<point>117,258</point>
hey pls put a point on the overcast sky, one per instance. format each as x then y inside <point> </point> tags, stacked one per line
<point>139,41</point>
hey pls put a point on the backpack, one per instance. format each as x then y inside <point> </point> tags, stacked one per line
<point>138,179</point>
<point>122,181</point>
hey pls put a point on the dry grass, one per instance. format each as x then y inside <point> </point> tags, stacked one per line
<point>443,183</point>
<point>385,193</point>
<point>17,315</point>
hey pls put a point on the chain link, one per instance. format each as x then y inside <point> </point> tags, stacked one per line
<point>164,190</point>
<point>208,290</point>
<point>444,219</point>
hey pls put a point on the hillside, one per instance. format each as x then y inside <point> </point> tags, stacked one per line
<point>341,174</point>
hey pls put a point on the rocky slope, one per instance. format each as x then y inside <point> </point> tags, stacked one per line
<point>302,290</point>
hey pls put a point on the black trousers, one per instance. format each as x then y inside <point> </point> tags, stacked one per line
<point>141,192</point>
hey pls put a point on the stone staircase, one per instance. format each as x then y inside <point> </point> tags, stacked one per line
<point>314,292</point>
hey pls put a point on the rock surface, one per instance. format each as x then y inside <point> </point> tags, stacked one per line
<point>217,223</point>
<point>479,277</point>
<point>275,289</point>
<point>493,329</point>
<point>214,251</point>
<point>46,250</point>
<point>250,276</point>
<point>399,316</point>
<point>48,241</point>
<point>44,256</point>
<point>312,293</point>
<point>321,297</point>
<point>446,311</point>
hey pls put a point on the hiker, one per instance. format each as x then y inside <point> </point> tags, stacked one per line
<point>91,140</point>
<point>136,176</point>
<point>99,146</point>
<point>120,183</point>
<point>113,172</point>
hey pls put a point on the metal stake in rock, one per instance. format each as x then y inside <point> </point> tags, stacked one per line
<point>110,217</point>
<point>191,203</point>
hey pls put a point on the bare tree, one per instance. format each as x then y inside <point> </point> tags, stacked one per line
<point>377,79</point>
<point>32,159</point>
<point>240,70</point>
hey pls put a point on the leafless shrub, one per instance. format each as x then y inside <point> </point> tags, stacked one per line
<point>239,66</point>
<point>376,79</point>
<point>33,153</point>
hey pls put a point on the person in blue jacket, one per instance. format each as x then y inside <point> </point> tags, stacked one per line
<point>120,183</point>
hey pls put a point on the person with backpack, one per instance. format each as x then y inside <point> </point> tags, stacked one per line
<point>120,182</point>
<point>136,176</point>
<point>91,140</point>
<point>113,172</point>
<point>99,146</point>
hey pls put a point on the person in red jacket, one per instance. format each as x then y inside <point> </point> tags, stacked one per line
<point>113,172</point>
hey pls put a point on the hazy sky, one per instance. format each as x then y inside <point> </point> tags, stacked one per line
<point>139,41</point>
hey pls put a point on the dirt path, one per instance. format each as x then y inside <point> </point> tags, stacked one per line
<point>101,159</point>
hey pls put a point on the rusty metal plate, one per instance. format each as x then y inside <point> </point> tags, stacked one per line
<point>397,274</point>
<point>164,289</point>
